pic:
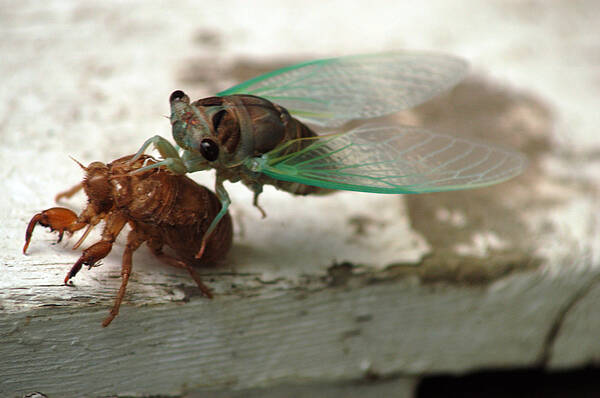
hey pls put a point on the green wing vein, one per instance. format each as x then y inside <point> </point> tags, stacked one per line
<point>387,158</point>
<point>330,92</point>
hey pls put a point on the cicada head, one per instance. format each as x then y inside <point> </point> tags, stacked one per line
<point>97,187</point>
<point>196,128</point>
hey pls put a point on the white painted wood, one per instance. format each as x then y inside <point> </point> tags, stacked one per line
<point>500,277</point>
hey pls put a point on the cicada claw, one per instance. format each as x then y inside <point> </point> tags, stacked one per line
<point>57,219</point>
<point>90,257</point>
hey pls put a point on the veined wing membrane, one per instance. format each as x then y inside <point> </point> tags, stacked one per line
<point>330,92</point>
<point>385,158</point>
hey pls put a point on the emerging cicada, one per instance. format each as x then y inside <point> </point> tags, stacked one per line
<point>258,132</point>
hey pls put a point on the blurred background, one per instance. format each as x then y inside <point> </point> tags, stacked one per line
<point>92,80</point>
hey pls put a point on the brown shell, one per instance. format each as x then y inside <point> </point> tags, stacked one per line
<point>172,207</point>
<point>162,209</point>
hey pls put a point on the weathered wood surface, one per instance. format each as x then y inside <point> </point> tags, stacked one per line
<point>348,287</point>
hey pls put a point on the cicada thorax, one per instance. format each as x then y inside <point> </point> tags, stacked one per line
<point>247,126</point>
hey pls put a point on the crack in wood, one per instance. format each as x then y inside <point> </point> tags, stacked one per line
<point>557,325</point>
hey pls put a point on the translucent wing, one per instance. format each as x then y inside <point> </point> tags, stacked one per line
<point>330,92</point>
<point>394,159</point>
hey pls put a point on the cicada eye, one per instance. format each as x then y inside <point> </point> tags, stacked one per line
<point>209,149</point>
<point>179,95</point>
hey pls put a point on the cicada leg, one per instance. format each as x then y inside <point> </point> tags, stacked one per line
<point>171,159</point>
<point>57,219</point>
<point>134,240</point>
<point>68,193</point>
<point>257,191</point>
<point>113,224</point>
<point>156,248</point>
<point>225,202</point>
<point>90,257</point>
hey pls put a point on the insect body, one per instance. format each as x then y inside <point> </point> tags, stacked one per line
<point>240,127</point>
<point>162,208</point>
<point>258,132</point>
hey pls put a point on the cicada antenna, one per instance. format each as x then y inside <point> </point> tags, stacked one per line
<point>78,162</point>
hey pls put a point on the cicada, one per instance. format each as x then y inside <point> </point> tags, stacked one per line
<point>288,128</point>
